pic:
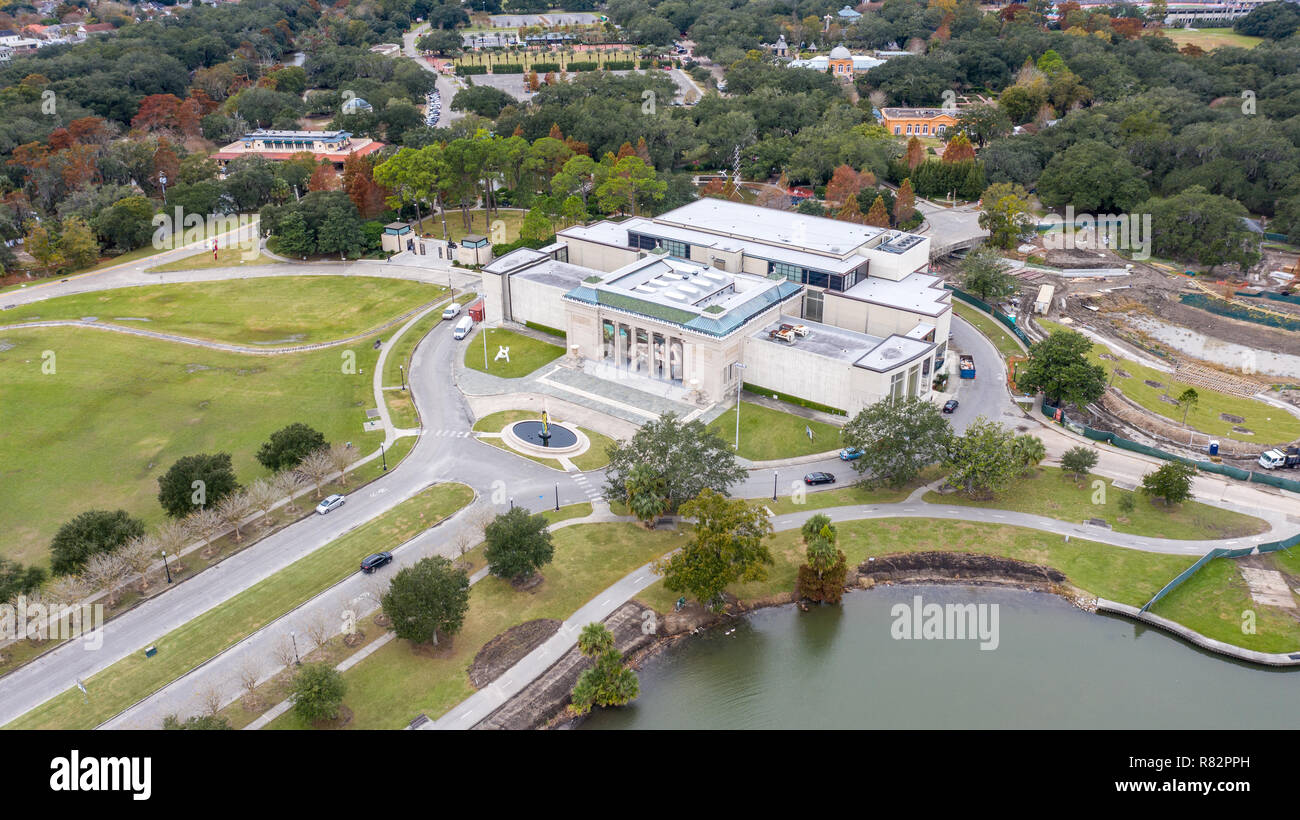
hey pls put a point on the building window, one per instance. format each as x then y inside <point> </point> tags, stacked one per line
<point>784,270</point>
<point>909,128</point>
<point>813,303</point>
<point>898,129</point>
<point>607,340</point>
<point>914,380</point>
<point>896,385</point>
<point>938,353</point>
<point>940,129</point>
<point>675,248</point>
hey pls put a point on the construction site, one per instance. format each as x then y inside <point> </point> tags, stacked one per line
<point>1191,359</point>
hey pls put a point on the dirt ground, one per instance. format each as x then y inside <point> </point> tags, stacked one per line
<point>508,648</point>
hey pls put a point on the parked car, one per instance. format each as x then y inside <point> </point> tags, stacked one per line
<point>452,311</point>
<point>850,453</point>
<point>950,405</point>
<point>819,478</point>
<point>463,327</point>
<point>374,562</point>
<point>332,502</point>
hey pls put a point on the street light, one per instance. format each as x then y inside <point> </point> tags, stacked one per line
<point>382,456</point>
<point>774,485</point>
<point>293,637</point>
<point>557,497</point>
<point>169,569</point>
<point>512,502</point>
<point>402,368</point>
<point>739,382</point>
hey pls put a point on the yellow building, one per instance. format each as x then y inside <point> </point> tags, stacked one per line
<point>918,122</point>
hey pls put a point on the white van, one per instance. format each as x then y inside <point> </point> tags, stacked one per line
<point>463,327</point>
<point>451,311</point>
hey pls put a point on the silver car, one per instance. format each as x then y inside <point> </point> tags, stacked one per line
<point>332,502</point>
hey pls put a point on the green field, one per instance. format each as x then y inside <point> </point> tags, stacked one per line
<point>118,410</point>
<point>1052,493</point>
<point>180,650</point>
<point>1212,38</point>
<point>392,686</point>
<point>526,353</point>
<point>225,258</point>
<point>767,434</point>
<point>1271,425</point>
<point>282,310</point>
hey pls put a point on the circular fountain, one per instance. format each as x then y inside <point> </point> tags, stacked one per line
<point>548,439</point>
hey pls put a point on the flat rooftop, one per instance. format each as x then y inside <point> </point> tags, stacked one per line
<point>848,346</point>
<point>916,292</point>
<point>770,225</point>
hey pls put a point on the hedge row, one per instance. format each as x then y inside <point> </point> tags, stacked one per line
<point>546,329</point>
<point>508,68</point>
<point>466,70</point>
<point>811,405</point>
<point>583,66</point>
<point>543,68</point>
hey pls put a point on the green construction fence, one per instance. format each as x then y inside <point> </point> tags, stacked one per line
<point>1008,322</point>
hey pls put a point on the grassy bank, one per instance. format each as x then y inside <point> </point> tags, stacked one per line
<point>526,353</point>
<point>1006,344</point>
<point>1050,492</point>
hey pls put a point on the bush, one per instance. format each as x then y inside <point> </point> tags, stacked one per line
<point>88,534</point>
<point>507,68</point>
<point>318,692</point>
<point>545,329</point>
<point>545,68</point>
<point>467,70</point>
<point>288,446</point>
<point>196,481</point>
<point>584,65</point>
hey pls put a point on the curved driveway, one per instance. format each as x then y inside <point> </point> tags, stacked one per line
<point>500,478</point>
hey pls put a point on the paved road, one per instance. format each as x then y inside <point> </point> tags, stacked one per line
<point>497,476</point>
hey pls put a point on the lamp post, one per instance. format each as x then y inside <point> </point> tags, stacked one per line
<point>293,637</point>
<point>484,335</point>
<point>382,456</point>
<point>512,502</point>
<point>739,382</point>
<point>557,497</point>
<point>169,569</point>
<point>402,369</point>
<point>774,485</point>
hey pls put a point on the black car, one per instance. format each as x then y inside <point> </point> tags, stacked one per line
<point>950,405</point>
<point>819,478</point>
<point>374,562</point>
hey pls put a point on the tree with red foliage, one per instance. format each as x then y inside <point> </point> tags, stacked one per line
<point>361,188</point>
<point>958,149</point>
<point>89,130</point>
<point>915,153</point>
<point>324,178</point>
<point>156,112</point>
<point>844,185</point>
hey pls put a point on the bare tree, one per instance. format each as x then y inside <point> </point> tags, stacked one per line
<point>318,629</point>
<point>287,484</point>
<point>341,457</point>
<point>233,509</point>
<point>316,468</point>
<point>106,571</point>
<point>211,699</point>
<point>205,523</point>
<point>172,536</point>
<point>284,653</point>
<point>262,496</point>
<point>67,589</point>
<point>249,672</point>
<point>138,555</point>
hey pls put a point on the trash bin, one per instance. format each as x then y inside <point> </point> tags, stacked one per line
<point>1214,447</point>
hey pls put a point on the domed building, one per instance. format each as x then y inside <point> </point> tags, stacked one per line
<point>840,63</point>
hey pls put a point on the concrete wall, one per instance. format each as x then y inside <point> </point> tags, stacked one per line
<point>787,369</point>
<point>601,257</point>
<point>897,266</point>
<point>532,301</point>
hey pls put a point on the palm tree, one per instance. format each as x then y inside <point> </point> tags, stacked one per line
<point>594,639</point>
<point>645,494</point>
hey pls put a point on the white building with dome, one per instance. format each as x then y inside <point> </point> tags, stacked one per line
<point>840,63</point>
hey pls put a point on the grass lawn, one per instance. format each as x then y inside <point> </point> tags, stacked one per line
<point>1270,424</point>
<point>399,681</point>
<point>119,410</point>
<point>526,353</point>
<point>593,459</point>
<point>1127,576</point>
<point>1212,602</point>
<point>479,223</point>
<point>1212,38</point>
<point>1006,344</point>
<point>401,409</point>
<point>1052,493</point>
<point>226,258</point>
<point>767,434</point>
<point>269,310</point>
<point>135,677</point>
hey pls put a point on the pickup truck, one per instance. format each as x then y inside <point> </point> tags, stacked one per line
<point>966,364</point>
<point>1273,459</point>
